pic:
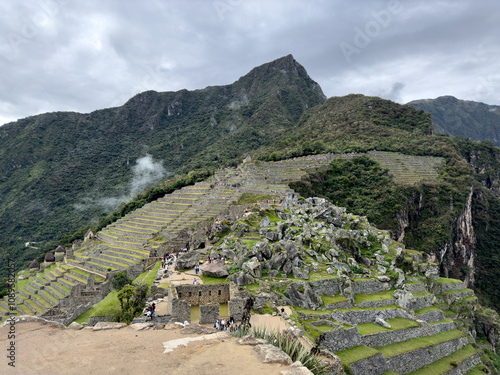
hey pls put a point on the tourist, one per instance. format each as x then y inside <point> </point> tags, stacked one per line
<point>194,281</point>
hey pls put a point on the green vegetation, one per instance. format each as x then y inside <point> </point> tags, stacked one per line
<point>356,354</point>
<point>393,350</point>
<point>378,296</point>
<point>293,347</point>
<point>109,306</point>
<point>396,323</point>
<point>249,198</point>
<point>444,280</point>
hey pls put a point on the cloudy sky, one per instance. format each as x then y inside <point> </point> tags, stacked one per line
<point>83,55</point>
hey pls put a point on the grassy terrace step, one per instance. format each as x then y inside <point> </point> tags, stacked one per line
<point>396,324</point>
<point>120,255</point>
<point>65,282</point>
<point>128,232</point>
<point>42,279</point>
<point>110,263</point>
<point>74,279</point>
<point>393,350</point>
<point>30,304</point>
<point>127,226</point>
<point>121,249</point>
<point>51,300</point>
<point>356,354</point>
<point>116,258</point>
<point>23,309</point>
<point>100,267</point>
<point>448,363</point>
<point>54,292</point>
<point>381,298</point>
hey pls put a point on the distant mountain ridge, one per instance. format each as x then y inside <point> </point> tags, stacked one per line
<point>54,162</point>
<point>465,118</point>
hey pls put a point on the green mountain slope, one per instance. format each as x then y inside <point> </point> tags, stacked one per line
<point>465,118</point>
<point>61,170</point>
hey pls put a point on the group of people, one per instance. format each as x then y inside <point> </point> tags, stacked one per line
<point>213,259</point>
<point>226,325</point>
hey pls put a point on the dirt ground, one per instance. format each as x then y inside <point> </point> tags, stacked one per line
<point>45,350</point>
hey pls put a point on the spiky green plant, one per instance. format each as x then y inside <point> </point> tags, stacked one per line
<point>293,347</point>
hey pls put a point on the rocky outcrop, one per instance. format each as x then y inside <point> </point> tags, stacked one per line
<point>214,269</point>
<point>187,260</point>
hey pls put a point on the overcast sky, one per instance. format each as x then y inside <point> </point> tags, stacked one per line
<point>83,55</point>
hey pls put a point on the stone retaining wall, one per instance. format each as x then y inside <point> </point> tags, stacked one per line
<point>329,287</point>
<point>415,359</point>
<point>439,288</point>
<point>431,316</point>
<point>365,316</point>
<point>464,367</point>
<point>375,365</point>
<point>390,337</point>
<point>340,339</point>
<point>369,286</point>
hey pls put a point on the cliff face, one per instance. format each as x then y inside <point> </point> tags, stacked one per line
<point>457,256</point>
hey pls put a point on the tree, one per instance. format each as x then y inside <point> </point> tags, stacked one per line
<point>124,296</point>
<point>121,279</point>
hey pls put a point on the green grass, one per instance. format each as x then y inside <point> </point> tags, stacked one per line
<point>249,198</point>
<point>333,299</point>
<point>213,280</point>
<point>372,297</point>
<point>396,324</point>
<point>426,310</point>
<point>147,277</point>
<point>446,320</point>
<point>396,349</point>
<point>356,354</point>
<point>444,280</point>
<point>476,370</point>
<point>313,312</point>
<point>448,363</point>
<point>110,305</point>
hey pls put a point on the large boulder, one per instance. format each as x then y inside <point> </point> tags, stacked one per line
<point>241,278</point>
<point>302,295</point>
<point>291,249</point>
<point>227,252</point>
<point>264,249</point>
<point>266,222</point>
<point>252,267</point>
<point>214,269</point>
<point>187,260</point>
<point>272,236</point>
<point>300,273</point>
<point>277,261</point>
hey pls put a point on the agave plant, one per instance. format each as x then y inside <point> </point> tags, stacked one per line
<point>291,345</point>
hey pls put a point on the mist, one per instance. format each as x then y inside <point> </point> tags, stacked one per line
<point>145,173</point>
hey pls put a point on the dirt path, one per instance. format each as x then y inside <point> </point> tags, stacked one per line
<point>44,350</point>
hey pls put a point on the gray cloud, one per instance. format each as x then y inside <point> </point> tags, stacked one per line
<point>146,172</point>
<point>81,56</point>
